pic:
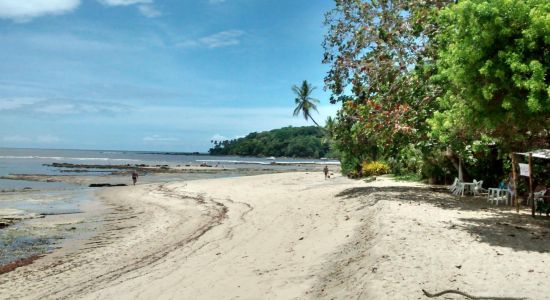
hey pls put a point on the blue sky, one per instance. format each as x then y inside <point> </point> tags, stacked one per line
<point>167,75</point>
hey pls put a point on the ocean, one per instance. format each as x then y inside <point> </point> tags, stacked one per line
<point>29,208</point>
<point>33,161</point>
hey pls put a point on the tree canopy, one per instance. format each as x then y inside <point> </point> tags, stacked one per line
<point>381,59</point>
<point>494,57</point>
<point>421,80</point>
<point>306,142</point>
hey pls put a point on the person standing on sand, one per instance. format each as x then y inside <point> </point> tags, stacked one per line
<point>135,176</point>
<point>325,170</point>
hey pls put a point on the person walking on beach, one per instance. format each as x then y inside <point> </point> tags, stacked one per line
<point>325,170</point>
<point>135,177</point>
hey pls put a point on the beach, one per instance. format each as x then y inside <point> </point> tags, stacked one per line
<point>292,236</point>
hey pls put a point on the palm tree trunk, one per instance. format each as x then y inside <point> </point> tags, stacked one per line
<point>314,121</point>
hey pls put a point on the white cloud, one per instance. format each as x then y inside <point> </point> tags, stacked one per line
<point>124,2</point>
<point>149,11</point>
<point>222,39</point>
<point>145,7</point>
<point>15,103</point>
<point>158,138</point>
<point>25,10</point>
<point>217,40</point>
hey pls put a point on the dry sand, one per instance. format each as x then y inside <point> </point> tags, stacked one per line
<point>293,236</point>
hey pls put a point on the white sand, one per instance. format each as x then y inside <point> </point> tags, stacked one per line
<point>293,235</point>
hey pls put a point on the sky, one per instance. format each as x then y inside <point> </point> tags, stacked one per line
<point>158,75</point>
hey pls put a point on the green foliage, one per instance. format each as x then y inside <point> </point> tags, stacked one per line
<point>494,58</point>
<point>287,142</point>
<point>374,168</point>
<point>381,52</point>
<point>408,160</point>
<point>424,81</point>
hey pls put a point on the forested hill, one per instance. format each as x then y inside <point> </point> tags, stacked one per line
<point>304,142</point>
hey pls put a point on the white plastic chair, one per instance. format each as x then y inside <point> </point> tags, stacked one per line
<point>478,189</point>
<point>459,189</point>
<point>453,186</point>
<point>496,195</point>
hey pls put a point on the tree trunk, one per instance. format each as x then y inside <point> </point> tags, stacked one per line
<point>457,163</point>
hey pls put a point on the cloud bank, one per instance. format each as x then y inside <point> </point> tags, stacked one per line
<point>25,10</point>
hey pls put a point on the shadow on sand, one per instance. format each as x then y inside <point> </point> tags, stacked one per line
<point>502,227</point>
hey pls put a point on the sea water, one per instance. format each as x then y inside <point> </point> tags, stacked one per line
<point>46,199</point>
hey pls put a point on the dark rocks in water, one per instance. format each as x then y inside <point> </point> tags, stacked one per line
<point>106,184</point>
<point>4,224</point>
<point>25,189</point>
<point>113,169</point>
<point>94,166</point>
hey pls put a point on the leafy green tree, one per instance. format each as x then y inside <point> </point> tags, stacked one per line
<point>289,141</point>
<point>494,59</point>
<point>305,104</point>
<point>381,52</point>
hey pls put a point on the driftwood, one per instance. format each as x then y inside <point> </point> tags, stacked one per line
<point>430,295</point>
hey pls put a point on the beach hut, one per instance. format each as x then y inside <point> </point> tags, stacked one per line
<point>527,170</point>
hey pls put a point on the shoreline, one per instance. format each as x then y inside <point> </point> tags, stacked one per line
<point>293,235</point>
<point>44,222</point>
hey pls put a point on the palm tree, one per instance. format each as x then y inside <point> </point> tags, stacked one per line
<point>304,102</point>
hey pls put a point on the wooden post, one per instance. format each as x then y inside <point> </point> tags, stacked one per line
<point>514,186</point>
<point>460,175</point>
<point>531,184</point>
